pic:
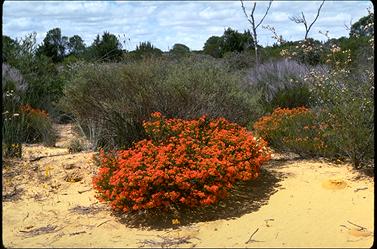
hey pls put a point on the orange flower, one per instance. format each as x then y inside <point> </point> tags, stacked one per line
<point>183,162</point>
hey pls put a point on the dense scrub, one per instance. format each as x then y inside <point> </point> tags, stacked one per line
<point>182,163</point>
<point>282,83</point>
<point>295,130</point>
<point>110,101</point>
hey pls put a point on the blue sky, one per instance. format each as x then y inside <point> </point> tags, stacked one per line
<point>165,23</point>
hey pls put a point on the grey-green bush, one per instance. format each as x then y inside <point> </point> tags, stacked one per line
<point>282,83</point>
<point>110,101</point>
<point>346,101</point>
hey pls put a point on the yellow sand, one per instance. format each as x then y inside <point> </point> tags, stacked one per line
<point>317,205</point>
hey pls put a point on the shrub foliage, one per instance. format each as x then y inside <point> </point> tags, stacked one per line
<point>182,163</point>
<point>112,100</point>
<point>295,130</point>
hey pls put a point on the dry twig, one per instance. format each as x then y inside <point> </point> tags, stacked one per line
<point>103,223</point>
<point>358,189</point>
<point>250,239</point>
<point>40,230</point>
<point>41,157</point>
<point>83,191</point>
<point>361,228</point>
<point>75,233</point>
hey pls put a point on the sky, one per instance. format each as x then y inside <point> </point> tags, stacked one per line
<point>165,23</point>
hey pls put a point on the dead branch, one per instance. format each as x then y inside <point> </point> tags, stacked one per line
<point>103,223</point>
<point>41,157</point>
<point>275,35</point>
<point>167,242</point>
<point>26,217</point>
<point>358,189</point>
<point>345,227</point>
<point>348,27</point>
<point>40,230</point>
<point>302,19</point>
<point>361,228</point>
<point>250,239</point>
<point>75,233</point>
<point>255,26</point>
<point>83,191</point>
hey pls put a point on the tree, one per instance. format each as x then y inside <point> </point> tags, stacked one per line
<point>230,41</point>
<point>255,25</point>
<point>54,45</point>
<point>213,46</point>
<point>76,45</point>
<point>106,48</point>
<point>146,50</point>
<point>363,27</point>
<point>302,19</point>
<point>10,48</point>
<point>179,50</point>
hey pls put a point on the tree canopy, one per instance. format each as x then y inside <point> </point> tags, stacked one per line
<point>230,41</point>
<point>76,45</point>
<point>364,26</point>
<point>106,48</point>
<point>54,45</point>
<point>179,50</point>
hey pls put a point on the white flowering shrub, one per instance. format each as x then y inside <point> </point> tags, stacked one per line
<point>345,99</point>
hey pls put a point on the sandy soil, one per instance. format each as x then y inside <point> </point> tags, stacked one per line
<point>49,202</point>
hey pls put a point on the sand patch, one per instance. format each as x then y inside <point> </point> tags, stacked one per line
<point>334,184</point>
<point>359,233</point>
<point>285,207</point>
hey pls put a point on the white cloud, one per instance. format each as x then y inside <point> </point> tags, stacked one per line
<point>165,23</point>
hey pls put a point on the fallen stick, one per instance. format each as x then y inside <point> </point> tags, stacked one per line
<point>362,228</point>
<point>41,157</point>
<point>75,233</point>
<point>250,239</point>
<point>358,189</point>
<point>103,223</point>
<point>83,191</point>
<point>26,216</point>
<point>345,227</point>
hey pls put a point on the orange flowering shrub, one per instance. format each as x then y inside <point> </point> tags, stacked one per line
<point>27,109</point>
<point>294,129</point>
<point>183,162</point>
<point>38,126</point>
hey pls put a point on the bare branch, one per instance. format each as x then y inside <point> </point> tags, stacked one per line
<point>325,34</point>
<point>348,28</point>
<point>254,26</point>
<point>315,19</point>
<point>244,11</point>
<point>275,35</point>
<point>302,19</point>
<point>252,11</point>
<point>296,19</point>
<point>265,14</point>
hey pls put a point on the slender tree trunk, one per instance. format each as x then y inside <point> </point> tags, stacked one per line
<point>256,48</point>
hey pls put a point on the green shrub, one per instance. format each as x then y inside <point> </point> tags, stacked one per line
<point>75,145</point>
<point>44,84</point>
<point>240,60</point>
<point>282,84</point>
<point>13,88</point>
<point>112,100</point>
<point>37,126</point>
<point>295,130</point>
<point>346,103</point>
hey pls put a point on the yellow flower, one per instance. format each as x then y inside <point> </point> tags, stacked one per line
<point>175,222</point>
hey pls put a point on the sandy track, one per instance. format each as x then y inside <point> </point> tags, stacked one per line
<point>50,203</point>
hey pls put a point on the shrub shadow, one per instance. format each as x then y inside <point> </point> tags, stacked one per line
<point>246,197</point>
